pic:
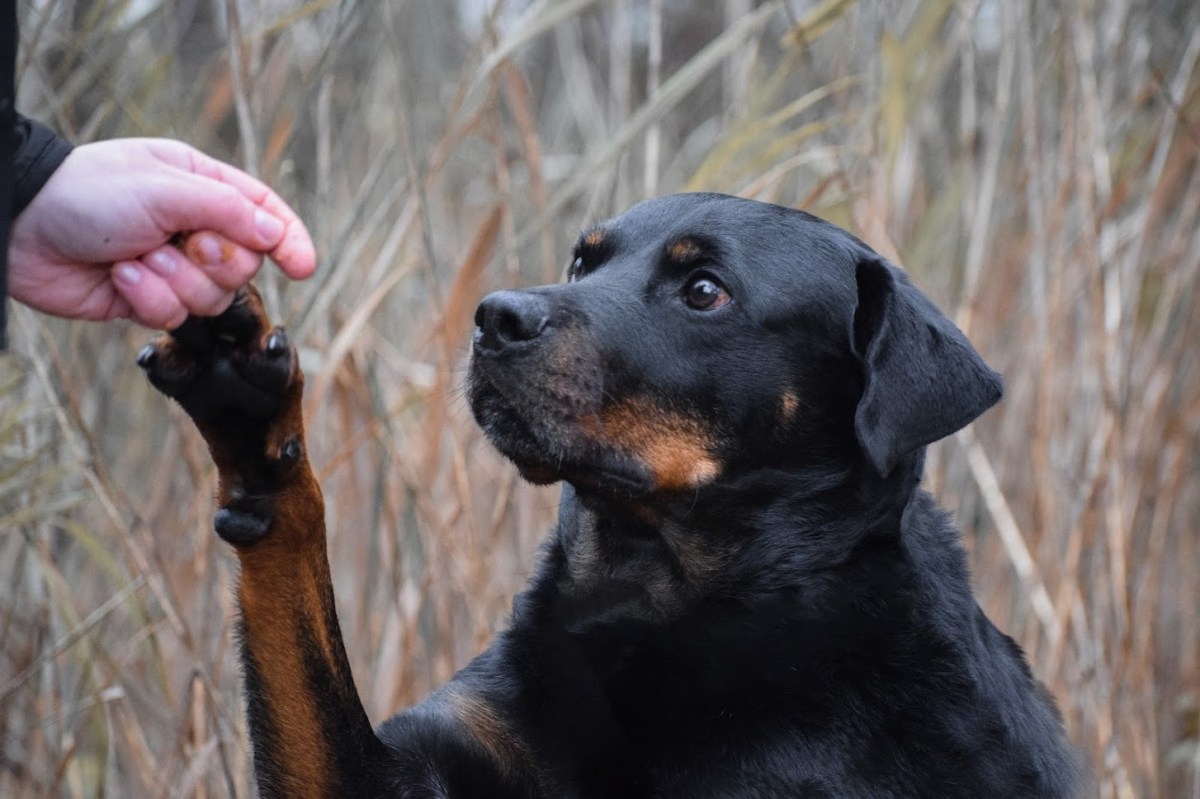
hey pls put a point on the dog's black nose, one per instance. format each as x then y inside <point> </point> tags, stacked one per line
<point>507,319</point>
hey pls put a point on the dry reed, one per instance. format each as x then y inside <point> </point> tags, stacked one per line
<point>1033,164</point>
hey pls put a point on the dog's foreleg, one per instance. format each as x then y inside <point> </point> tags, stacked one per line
<point>238,380</point>
<point>311,734</point>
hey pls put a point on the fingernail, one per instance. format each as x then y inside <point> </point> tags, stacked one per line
<point>208,249</point>
<point>160,262</point>
<point>268,227</point>
<point>127,273</point>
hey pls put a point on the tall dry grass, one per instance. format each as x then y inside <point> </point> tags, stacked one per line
<point>1032,163</point>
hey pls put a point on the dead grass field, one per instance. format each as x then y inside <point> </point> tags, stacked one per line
<point>1033,164</point>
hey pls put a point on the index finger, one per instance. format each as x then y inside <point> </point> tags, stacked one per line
<point>295,253</point>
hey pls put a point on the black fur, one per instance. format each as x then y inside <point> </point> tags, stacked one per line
<point>802,624</point>
<point>746,593</point>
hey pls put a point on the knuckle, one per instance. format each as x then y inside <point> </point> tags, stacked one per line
<point>237,271</point>
<point>213,303</point>
<point>164,311</point>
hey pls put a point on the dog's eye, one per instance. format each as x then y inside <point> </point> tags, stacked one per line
<point>705,294</point>
<point>575,270</point>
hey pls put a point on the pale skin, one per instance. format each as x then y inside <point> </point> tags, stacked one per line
<point>94,242</point>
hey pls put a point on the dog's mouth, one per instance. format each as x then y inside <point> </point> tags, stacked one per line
<point>556,424</point>
<point>540,428</point>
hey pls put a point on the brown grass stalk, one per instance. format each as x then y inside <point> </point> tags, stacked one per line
<point>1036,168</point>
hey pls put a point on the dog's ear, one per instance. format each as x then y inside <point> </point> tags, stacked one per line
<point>922,379</point>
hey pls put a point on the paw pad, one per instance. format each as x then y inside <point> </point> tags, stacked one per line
<point>241,527</point>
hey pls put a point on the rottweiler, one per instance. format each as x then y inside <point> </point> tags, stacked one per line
<point>746,594</point>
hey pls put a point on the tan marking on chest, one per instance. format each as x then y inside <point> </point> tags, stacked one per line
<point>487,727</point>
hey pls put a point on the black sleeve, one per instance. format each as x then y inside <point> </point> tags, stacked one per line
<point>29,153</point>
<point>37,152</point>
<point>32,154</point>
<point>8,58</point>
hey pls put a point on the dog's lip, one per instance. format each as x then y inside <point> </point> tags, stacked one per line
<point>576,459</point>
<point>537,474</point>
<point>556,444</point>
<point>621,476</point>
<point>625,483</point>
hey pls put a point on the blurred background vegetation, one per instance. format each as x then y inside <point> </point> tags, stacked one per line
<point>1032,163</point>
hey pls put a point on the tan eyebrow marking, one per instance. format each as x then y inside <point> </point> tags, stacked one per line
<point>685,250</point>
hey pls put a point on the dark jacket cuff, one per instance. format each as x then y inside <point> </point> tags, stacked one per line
<point>37,153</point>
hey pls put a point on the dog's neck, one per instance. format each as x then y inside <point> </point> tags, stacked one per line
<point>618,561</point>
<point>655,561</point>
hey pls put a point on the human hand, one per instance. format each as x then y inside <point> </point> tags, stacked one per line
<point>93,243</point>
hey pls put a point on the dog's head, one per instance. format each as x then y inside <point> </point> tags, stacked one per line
<point>702,336</point>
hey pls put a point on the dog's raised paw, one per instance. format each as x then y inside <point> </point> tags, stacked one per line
<point>233,364</point>
<point>237,377</point>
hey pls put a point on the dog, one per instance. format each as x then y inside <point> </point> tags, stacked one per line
<point>746,593</point>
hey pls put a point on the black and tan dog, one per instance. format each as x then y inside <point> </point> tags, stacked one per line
<point>746,593</point>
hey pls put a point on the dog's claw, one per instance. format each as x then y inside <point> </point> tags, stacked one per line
<point>146,356</point>
<point>291,450</point>
<point>277,343</point>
